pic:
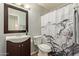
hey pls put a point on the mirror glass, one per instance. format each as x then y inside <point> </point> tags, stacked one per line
<point>16,19</point>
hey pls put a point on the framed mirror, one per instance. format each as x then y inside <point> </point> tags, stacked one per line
<point>15,19</point>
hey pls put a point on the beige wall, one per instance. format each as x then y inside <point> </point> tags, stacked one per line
<point>35,20</point>
<point>2,36</point>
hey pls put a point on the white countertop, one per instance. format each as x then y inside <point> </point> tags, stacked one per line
<point>17,39</point>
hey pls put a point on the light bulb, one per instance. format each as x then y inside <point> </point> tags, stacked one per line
<point>19,3</point>
<point>27,6</point>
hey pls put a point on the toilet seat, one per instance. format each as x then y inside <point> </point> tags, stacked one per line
<point>44,47</point>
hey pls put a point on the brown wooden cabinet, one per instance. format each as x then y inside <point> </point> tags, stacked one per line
<point>18,49</point>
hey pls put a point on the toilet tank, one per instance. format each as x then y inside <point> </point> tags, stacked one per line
<point>37,39</point>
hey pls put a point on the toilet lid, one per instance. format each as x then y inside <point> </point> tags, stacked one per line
<point>44,47</point>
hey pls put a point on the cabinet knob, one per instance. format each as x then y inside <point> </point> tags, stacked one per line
<point>7,53</point>
<point>19,46</point>
<point>22,44</point>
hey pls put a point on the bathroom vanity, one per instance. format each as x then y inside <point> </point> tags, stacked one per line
<point>18,45</point>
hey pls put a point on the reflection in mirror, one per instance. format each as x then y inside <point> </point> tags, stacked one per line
<point>16,20</point>
<point>13,22</point>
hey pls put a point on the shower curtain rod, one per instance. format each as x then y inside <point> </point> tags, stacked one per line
<point>76,7</point>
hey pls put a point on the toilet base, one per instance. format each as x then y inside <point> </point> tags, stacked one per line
<point>41,53</point>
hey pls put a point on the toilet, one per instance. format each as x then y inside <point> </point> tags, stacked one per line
<point>44,49</point>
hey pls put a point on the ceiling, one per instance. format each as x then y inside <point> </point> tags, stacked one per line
<point>49,6</point>
<point>52,6</point>
<point>45,7</point>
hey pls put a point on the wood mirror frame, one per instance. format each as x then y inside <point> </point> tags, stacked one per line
<point>6,6</point>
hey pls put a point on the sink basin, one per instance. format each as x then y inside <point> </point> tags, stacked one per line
<point>17,39</point>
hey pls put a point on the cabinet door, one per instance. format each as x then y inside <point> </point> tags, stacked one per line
<point>25,49</point>
<point>13,49</point>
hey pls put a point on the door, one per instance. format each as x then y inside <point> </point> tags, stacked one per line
<point>13,49</point>
<point>25,48</point>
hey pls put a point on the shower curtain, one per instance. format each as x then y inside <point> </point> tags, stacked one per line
<point>60,25</point>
